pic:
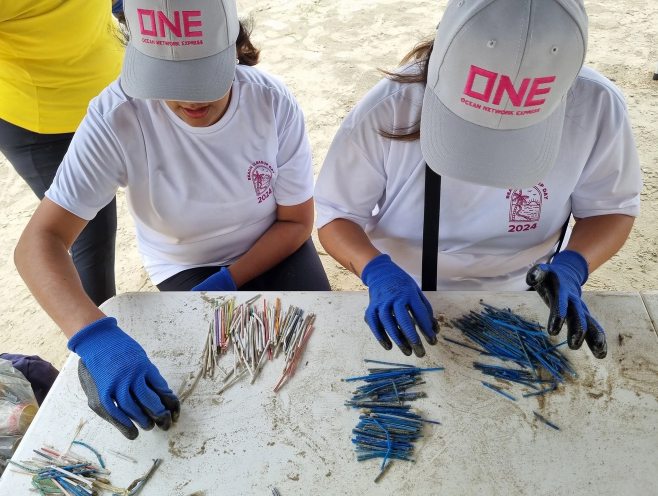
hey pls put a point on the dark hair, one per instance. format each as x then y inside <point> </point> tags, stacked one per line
<point>417,72</point>
<point>247,53</point>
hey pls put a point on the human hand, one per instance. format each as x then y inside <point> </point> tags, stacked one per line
<point>397,307</point>
<point>221,281</point>
<point>117,7</point>
<point>560,286</point>
<point>121,383</point>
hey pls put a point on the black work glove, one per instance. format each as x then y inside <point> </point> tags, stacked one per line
<point>560,286</point>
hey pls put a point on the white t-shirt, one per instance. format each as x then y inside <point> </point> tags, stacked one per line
<point>488,237</point>
<point>199,196</point>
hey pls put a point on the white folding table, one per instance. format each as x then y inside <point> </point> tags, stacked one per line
<point>249,439</point>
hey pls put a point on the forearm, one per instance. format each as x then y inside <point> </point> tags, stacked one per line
<point>346,242</point>
<point>599,238</point>
<point>279,242</point>
<point>45,265</point>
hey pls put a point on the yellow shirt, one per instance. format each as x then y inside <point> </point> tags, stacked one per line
<point>55,56</point>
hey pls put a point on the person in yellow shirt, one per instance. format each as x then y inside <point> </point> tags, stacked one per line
<point>55,56</point>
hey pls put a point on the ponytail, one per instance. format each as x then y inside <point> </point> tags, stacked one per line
<point>248,54</point>
<point>418,58</point>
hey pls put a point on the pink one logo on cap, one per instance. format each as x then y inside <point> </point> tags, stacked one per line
<point>505,85</point>
<point>158,21</point>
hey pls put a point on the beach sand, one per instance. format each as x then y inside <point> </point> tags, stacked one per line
<point>327,52</point>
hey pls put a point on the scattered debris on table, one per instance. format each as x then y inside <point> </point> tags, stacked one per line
<point>388,426</point>
<point>63,472</point>
<point>255,333</point>
<point>508,337</point>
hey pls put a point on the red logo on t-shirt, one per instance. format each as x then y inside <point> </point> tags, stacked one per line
<point>260,174</point>
<point>525,207</point>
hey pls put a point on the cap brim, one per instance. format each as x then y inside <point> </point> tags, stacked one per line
<point>508,159</point>
<point>200,80</point>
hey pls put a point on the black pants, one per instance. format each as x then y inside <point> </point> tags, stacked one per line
<point>36,158</point>
<point>301,271</point>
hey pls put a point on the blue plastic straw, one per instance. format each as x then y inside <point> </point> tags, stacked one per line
<point>367,360</point>
<point>552,347</point>
<point>384,375</point>
<point>100,459</point>
<point>386,428</point>
<point>543,391</point>
<point>509,337</point>
<point>546,421</point>
<point>388,440</point>
<point>493,388</point>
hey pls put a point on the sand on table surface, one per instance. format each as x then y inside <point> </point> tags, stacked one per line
<point>327,52</point>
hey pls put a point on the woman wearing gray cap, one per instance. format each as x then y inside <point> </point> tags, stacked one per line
<point>497,133</point>
<point>218,175</point>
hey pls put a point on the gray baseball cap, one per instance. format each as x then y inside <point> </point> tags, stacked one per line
<point>181,50</point>
<point>497,88</point>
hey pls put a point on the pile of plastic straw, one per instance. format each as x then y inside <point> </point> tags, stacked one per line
<point>256,332</point>
<point>67,473</point>
<point>501,334</point>
<point>388,426</point>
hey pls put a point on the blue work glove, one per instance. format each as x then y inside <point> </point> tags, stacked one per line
<point>560,286</point>
<point>117,6</point>
<point>397,307</point>
<point>221,281</point>
<point>121,383</point>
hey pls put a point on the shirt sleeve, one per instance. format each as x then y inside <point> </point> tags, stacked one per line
<point>611,180</point>
<point>294,182</point>
<point>92,171</point>
<point>349,185</point>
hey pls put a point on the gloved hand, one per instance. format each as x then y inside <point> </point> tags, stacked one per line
<point>221,281</point>
<point>117,7</point>
<point>113,368</point>
<point>559,284</point>
<point>397,307</point>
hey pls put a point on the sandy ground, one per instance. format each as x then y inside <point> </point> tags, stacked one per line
<point>327,51</point>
